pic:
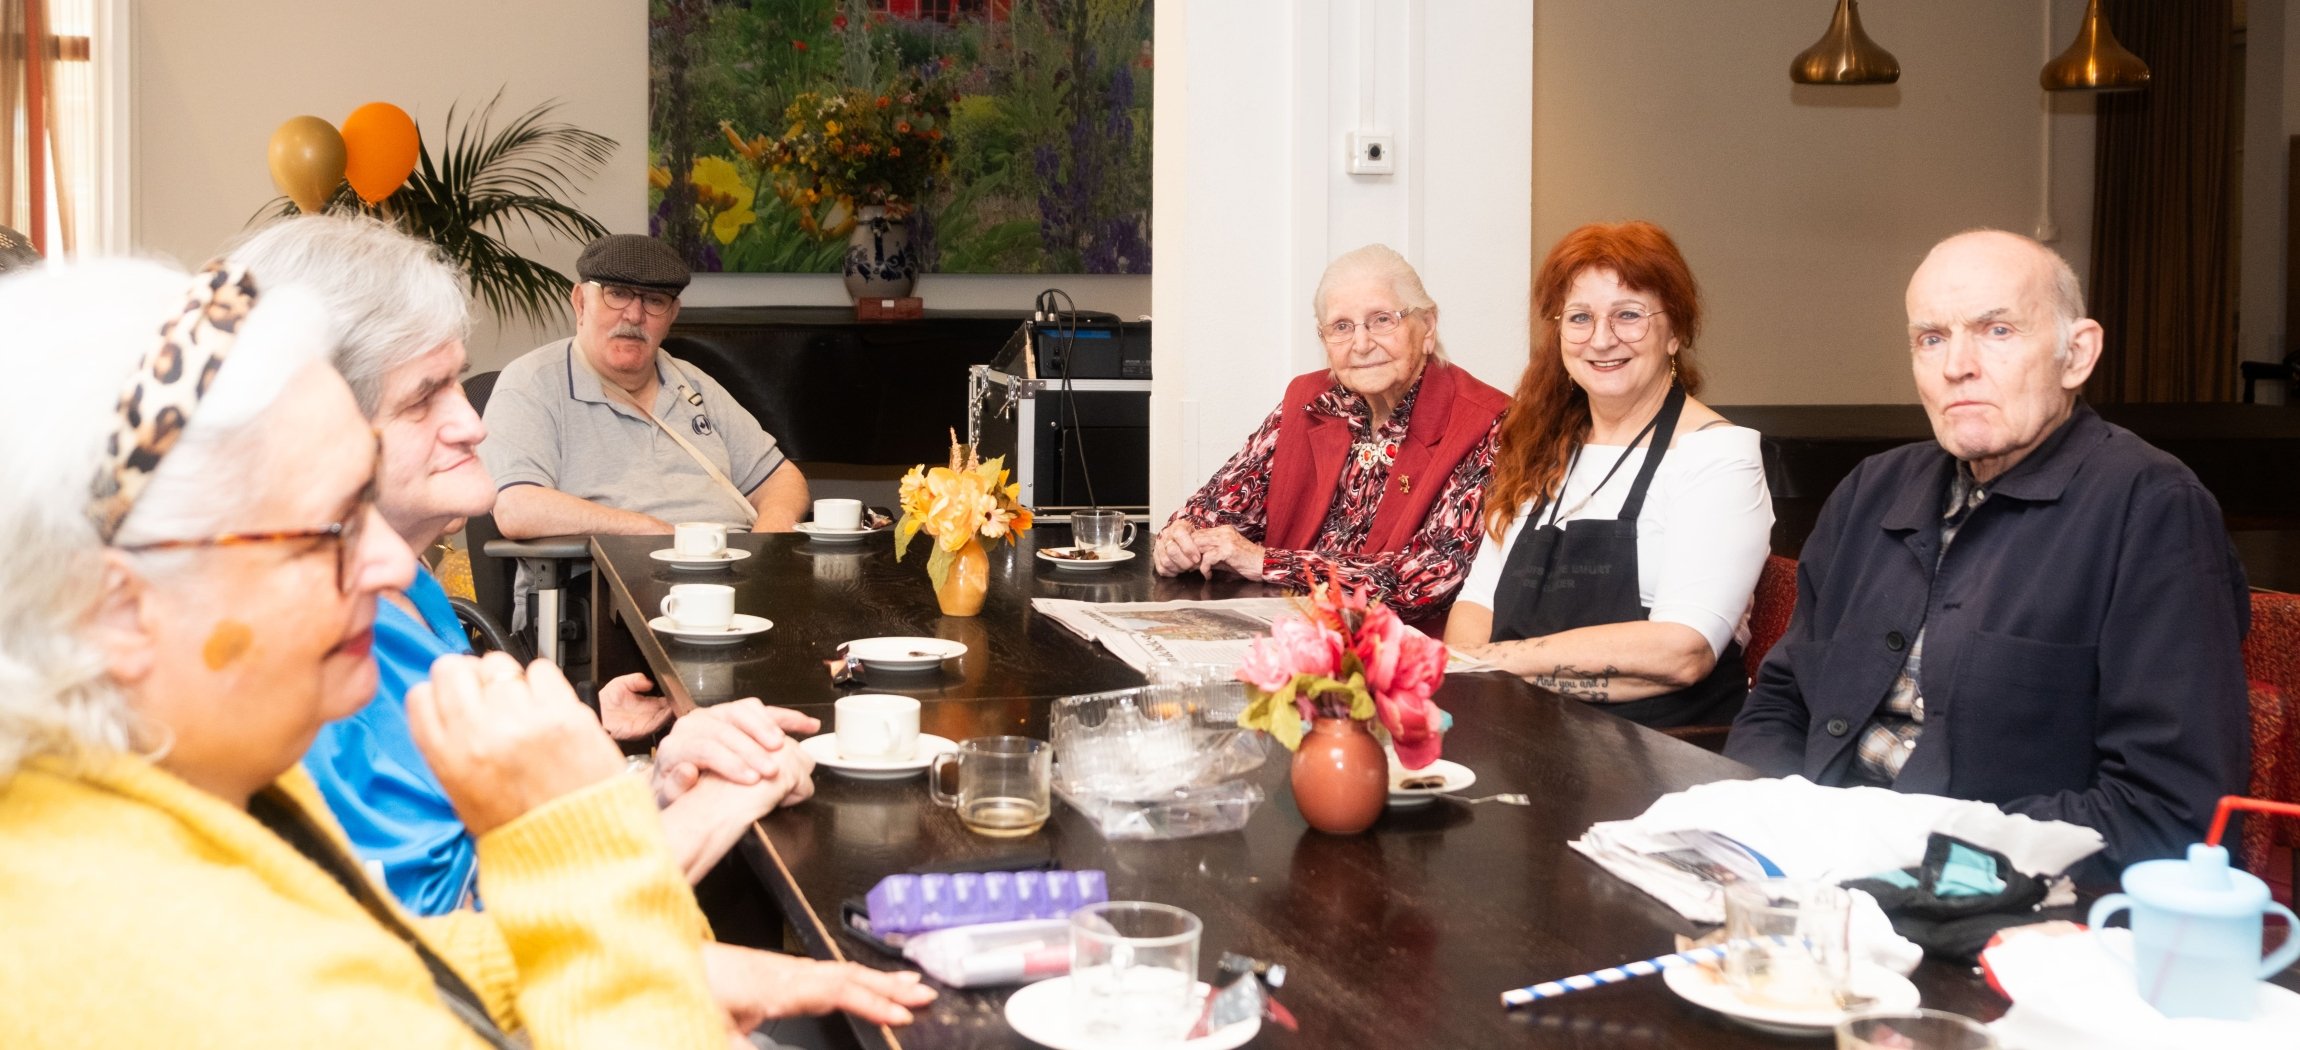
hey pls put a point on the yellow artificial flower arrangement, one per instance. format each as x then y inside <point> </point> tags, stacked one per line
<point>956,504</point>
<point>846,150</point>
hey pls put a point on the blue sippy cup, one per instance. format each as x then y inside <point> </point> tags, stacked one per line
<point>2196,934</point>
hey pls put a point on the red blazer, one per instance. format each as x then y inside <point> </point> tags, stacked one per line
<point>1452,414</point>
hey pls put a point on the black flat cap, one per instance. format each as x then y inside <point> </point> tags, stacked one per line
<point>634,260</point>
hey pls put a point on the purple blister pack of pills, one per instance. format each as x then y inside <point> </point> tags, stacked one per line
<point>905,904</point>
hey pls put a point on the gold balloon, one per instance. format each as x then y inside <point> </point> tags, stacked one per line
<point>307,161</point>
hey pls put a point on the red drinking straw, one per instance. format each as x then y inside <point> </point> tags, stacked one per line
<point>2231,803</point>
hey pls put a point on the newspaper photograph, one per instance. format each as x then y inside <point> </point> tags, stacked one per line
<point>1191,632</point>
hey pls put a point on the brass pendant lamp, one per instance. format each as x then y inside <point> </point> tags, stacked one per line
<point>1845,54</point>
<point>2095,62</point>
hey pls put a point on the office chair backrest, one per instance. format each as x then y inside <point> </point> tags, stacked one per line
<point>491,578</point>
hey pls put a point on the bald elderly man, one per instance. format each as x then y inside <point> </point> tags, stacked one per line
<point>2036,609</point>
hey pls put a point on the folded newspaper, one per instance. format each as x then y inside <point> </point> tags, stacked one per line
<point>1145,634</point>
<point>1689,844</point>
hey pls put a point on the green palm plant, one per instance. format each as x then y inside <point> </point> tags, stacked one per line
<point>483,184</point>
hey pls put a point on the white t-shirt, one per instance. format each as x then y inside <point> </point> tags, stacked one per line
<point>1702,537</point>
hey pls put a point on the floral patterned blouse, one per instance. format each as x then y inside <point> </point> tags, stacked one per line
<point>1423,574</point>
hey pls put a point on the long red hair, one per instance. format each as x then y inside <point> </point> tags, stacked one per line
<point>1549,415</point>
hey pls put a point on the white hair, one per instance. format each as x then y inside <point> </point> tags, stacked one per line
<point>2067,291</point>
<point>76,333</point>
<point>1378,261</point>
<point>394,297</point>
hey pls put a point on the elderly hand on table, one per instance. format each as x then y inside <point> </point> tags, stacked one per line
<point>755,987</point>
<point>743,741</point>
<point>1182,547</point>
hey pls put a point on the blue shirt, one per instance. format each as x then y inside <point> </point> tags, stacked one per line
<point>375,780</point>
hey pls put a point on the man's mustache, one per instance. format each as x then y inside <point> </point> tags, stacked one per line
<point>628,331</point>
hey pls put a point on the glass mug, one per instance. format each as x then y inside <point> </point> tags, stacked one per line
<point>1102,531</point>
<point>1003,784</point>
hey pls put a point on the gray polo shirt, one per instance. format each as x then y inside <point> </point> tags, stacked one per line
<point>550,423</point>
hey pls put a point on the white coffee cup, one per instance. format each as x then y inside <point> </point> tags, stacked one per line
<point>838,513</point>
<point>699,539</point>
<point>876,727</point>
<point>701,606</point>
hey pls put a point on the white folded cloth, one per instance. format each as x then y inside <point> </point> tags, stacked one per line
<point>1808,831</point>
<point>2069,992</point>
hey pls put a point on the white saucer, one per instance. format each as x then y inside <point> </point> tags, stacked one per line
<point>904,654</point>
<point>1457,777</point>
<point>1705,986</point>
<point>676,560</point>
<point>745,625</point>
<point>824,749</point>
<point>1106,561</point>
<point>1042,1014</point>
<point>827,535</point>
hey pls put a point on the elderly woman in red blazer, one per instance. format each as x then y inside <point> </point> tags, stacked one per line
<point>1372,470</point>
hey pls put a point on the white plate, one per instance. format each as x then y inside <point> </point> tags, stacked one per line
<point>1705,986</point>
<point>1457,777</point>
<point>1042,1014</point>
<point>905,654</point>
<point>744,626</point>
<point>817,532</point>
<point>824,749</point>
<point>1106,561</point>
<point>676,560</point>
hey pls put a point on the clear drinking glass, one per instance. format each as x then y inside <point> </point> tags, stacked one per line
<point>1788,943</point>
<point>1105,532</point>
<point>1913,1030</point>
<point>1133,971</point>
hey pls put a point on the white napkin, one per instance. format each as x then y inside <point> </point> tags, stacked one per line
<point>2069,992</point>
<point>1814,832</point>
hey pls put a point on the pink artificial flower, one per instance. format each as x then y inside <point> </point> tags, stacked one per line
<point>1307,648</point>
<point>1265,666</point>
<point>1403,667</point>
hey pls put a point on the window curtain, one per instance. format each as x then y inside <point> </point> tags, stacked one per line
<point>46,87</point>
<point>2160,284</point>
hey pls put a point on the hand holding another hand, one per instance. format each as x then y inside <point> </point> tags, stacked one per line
<point>743,741</point>
<point>1174,550</point>
<point>1224,547</point>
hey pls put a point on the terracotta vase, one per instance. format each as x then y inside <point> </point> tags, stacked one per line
<point>1341,779</point>
<point>962,591</point>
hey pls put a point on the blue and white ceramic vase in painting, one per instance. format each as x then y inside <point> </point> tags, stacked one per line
<point>879,263</point>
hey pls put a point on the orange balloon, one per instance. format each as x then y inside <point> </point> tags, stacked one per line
<point>307,161</point>
<point>380,144</point>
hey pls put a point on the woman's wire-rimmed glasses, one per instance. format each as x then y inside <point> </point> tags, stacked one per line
<point>1380,322</point>
<point>1628,323</point>
<point>620,297</point>
<point>346,533</point>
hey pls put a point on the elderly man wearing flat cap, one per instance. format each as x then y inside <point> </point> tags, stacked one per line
<point>606,433</point>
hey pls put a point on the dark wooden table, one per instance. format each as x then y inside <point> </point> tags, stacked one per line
<point>1402,937</point>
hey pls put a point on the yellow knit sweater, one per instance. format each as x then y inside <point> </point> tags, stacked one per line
<point>136,910</point>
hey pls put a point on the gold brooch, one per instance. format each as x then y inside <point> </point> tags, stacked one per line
<point>1405,485</point>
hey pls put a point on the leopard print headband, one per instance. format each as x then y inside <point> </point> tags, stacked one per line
<point>159,399</point>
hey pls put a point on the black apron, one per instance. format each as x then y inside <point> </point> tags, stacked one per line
<point>1557,579</point>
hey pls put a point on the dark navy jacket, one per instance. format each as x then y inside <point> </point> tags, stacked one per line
<point>2082,662</point>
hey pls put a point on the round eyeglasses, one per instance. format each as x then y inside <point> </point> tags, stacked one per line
<point>620,297</point>
<point>1380,322</point>
<point>1628,323</point>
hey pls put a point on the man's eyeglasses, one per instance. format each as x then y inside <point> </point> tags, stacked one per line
<point>620,297</point>
<point>1628,323</point>
<point>1380,322</point>
<point>346,534</point>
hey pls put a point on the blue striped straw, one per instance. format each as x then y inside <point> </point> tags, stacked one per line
<point>1626,971</point>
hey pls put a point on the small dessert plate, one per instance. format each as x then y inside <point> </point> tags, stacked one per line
<point>1454,777</point>
<point>1044,1013</point>
<point>904,654</point>
<point>744,626</point>
<point>676,560</point>
<point>828,535</point>
<point>1108,559</point>
<point>1705,986</point>
<point>824,749</point>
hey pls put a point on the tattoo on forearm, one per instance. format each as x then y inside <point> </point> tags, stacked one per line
<point>1567,680</point>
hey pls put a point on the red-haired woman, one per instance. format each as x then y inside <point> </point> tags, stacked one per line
<point>1626,523</point>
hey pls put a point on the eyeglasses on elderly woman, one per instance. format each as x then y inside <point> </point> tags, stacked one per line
<point>1380,322</point>
<point>346,533</point>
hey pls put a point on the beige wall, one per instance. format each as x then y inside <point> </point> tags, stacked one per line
<point>213,79</point>
<point>1803,210</point>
